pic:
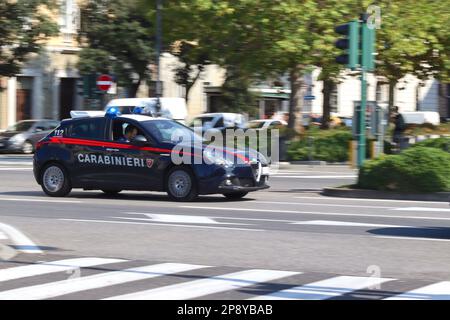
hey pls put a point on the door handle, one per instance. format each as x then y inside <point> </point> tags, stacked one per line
<point>111,149</point>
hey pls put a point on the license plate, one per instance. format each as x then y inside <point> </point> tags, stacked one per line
<point>265,171</point>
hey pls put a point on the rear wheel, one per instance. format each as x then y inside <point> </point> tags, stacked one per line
<point>55,180</point>
<point>235,195</point>
<point>180,184</point>
<point>111,192</point>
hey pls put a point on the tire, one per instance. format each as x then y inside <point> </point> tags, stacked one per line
<point>27,147</point>
<point>181,185</point>
<point>235,195</point>
<point>111,192</point>
<point>55,181</point>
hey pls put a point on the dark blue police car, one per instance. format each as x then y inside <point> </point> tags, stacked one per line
<point>90,152</point>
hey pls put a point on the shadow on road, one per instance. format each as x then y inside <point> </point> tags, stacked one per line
<point>414,232</point>
<point>121,196</point>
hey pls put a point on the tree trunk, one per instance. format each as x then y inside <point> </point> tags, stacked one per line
<point>190,84</point>
<point>295,116</point>
<point>134,89</point>
<point>326,106</point>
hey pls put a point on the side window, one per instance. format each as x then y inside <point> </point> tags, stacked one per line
<point>89,128</point>
<point>123,131</point>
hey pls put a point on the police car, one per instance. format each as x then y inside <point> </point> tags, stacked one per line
<point>87,152</point>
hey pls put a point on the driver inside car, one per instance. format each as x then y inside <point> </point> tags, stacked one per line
<point>130,134</point>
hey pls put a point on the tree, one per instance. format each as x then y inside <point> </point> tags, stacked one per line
<point>193,62</point>
<point>24,25</point>
<point>116,38</point>
<point>413,39</point>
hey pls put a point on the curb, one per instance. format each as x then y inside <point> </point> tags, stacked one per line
<point>375,194</point>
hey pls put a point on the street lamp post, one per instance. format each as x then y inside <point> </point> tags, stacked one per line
<point>158,53</point>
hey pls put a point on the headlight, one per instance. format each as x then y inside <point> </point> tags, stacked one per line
<point>216,156</point>
<point>17,139</point>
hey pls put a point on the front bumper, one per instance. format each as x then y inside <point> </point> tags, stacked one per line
<point>237,179</point>
<point>6,146</point>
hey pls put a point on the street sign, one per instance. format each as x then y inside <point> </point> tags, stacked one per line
<point>309,97</point>
<point>104,82</point>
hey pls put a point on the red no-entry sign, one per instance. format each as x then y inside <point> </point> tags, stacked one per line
<point>104,82</point>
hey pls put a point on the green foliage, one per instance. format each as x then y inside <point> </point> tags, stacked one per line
<point>116,38</point>
<point>23,28</point>
<point>326,145</point>
<point>439,143</point>
<point>418,169</point>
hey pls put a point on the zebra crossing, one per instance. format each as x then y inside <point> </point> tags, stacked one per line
<point>121,279</point>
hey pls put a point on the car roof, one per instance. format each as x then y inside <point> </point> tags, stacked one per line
<point>136,117</point>
<point>140,118</point>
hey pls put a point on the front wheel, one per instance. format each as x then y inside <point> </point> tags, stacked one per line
<point>55,181</point>
<point>180,185</point>
<point>235,195</point>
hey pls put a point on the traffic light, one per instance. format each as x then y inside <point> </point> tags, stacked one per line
<point>350,43</point>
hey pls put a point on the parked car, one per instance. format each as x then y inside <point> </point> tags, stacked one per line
<point>264,124</point>
<point>171,108</point>
<point>23,136</point>
<point>220,121</point>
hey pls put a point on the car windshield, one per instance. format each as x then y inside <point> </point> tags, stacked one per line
<point>21,126</point>
<point>256,124</point>
<point>169,131</point>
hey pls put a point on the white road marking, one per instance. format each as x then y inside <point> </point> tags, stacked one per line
<point>324,289</point>
<point>203,287</point>
<point>178,218</point>
<point>161,224</point>
<point>309,172</point>
<point>317,177</point>
<point>318,213</point>
<point>325,204</point>
<point>38,200</point>
<point>52,267</point>
<point>21,241</point>
<point>15,169</point>
<point>347,224</point>
<point>436,291</point>
<point>168,222</point>
<point>59,288</point>
<point>422,209</point>
<point>411,238</point>
<point>366,199</point>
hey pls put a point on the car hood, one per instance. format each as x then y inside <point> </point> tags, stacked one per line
<point>250,154</point>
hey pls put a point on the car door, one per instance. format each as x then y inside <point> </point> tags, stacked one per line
<point>87,147</point>
<point>132,163</point>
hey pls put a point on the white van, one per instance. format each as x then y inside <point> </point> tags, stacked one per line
<point>171,108</point>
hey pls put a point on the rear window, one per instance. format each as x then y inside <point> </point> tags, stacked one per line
<point>89,128</point>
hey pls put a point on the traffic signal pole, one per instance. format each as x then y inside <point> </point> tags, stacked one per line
<point>358,43</point>
<point>362,120</point>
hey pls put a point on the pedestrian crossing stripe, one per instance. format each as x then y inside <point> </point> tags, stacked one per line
<point>110,282</point>
<point>197,288</point>
<point>325,289</point>
<point>59,288</point>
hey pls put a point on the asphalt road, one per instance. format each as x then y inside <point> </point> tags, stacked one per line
<point>284,242</point>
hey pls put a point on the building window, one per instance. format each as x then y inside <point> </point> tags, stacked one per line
<point>334,99</point>
<point>69,17</point>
